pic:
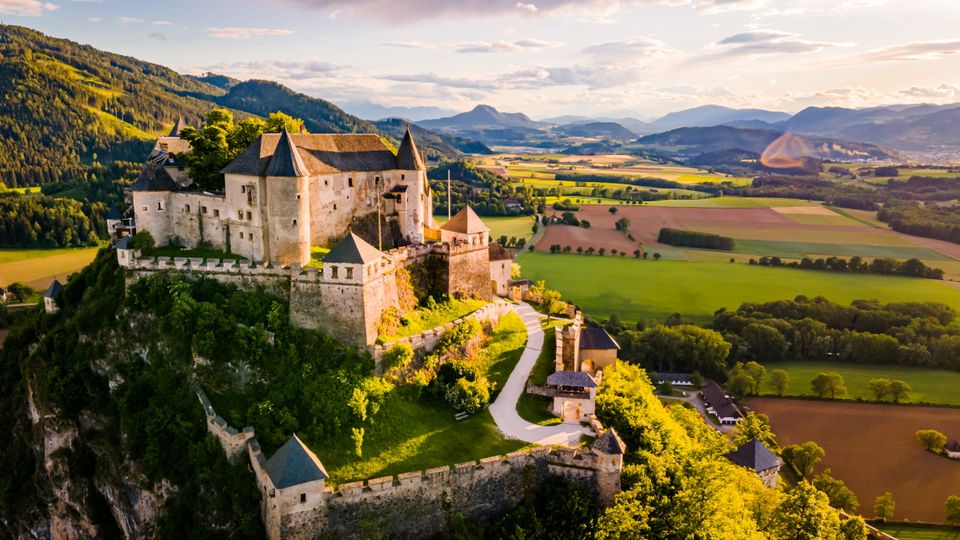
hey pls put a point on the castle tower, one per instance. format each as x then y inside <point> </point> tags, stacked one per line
<point>293,479</point>
<point>356,287</point>
<point>286,219</point>
<point>466,238</point>
<point>177,127</point>
<point>411,195</point>
<point>609,449</point>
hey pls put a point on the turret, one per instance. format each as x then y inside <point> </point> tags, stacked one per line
<point>408,157</point>
<point>465,227</point>
<point>287,215</point>
<point>177,127</point>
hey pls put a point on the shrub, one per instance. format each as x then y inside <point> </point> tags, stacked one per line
<point>468,396</point>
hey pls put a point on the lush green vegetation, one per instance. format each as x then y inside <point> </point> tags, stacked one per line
<point>919,531</point>
<point>927,385</point>
<point>491,198</point>
<point>922,220</point>
<point>889,267</point>
<point>45,222</point>
<point>677,237</point>
<point>603,285</point>
<point>432,315</point>
<point>531,407</point>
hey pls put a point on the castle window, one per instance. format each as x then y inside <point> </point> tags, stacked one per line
<point>160,206</point>
<point>203,209</point>
<point>294,221</point>
<point>216,213</point>
<point>349,182</point>
<point>349,273</point>
<point>334,272</point>
<point>144,208</point>
<point>402,176</point>
<point>298,196</point>
<point>250,195</point>
<point>326,182</point>
<point>241,235</point>
<point>243,189</point>
<point>186,208</point>
<point>249,216</point>
<point>334,206</point>
<point>303,497</point>
<point>239,214</point>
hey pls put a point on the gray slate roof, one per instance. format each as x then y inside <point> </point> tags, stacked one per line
<point>664,376</point>
<point>610,443</point>
<point>578,379</point>
<point>286,159</point>
<point>177,127</point>
<point>714,395</point>
<point>123,242</point>
<point>466,221</point>
<point>53,289</point>
<point>294,464</point>
<point>352,250</point>
<point>320,153</point>
<point>597,338</point>
<point>408,157</point>
<point>953,446</point>
<point>113,213</point>
<point>155,176</point>
<point>754,455</point>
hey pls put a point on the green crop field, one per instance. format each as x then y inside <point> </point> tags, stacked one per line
<point>734,202</point>
<point>713,179</point>
<point>913,531</point>
<point>929,385</point>
<point>638,289</point>
<point>802,249</point>
<point>519,226</point>
<point>37,267</point>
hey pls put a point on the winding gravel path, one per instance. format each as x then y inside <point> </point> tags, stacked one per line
<point>504,408</point>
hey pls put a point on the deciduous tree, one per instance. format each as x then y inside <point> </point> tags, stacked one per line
<point>779,380</point>
<point>932,440</point>
<point>884,506</point>
<point>803,457</point>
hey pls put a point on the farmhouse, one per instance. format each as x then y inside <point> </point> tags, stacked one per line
<point>952,449</point>
<point>719,403</point>
<point>574,395</point>
<point>676,379</point>
<point>50,297</point>
<point>759,459</point>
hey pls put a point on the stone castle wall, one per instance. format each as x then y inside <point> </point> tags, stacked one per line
<point>416,504</point>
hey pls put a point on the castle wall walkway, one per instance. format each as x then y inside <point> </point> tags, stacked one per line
<point>504,408</point>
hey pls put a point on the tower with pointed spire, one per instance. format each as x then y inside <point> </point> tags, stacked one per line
<point>286,214</point>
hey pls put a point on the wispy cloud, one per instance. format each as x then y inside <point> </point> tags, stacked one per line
<point>628,50</point>
<point>760,43</point>
<point>129,20</point>
<point>26,8</point>
<point>523,45</point>
<point>722,6</point>
<point>159,36</point>
<point>246,33</point>
<point>161,23</point>
<point>94,19</point>
<point>918,50</point>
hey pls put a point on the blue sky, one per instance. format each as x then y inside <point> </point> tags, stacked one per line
<point>546,57</point>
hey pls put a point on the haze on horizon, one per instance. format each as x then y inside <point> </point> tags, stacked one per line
<point>641,58</point>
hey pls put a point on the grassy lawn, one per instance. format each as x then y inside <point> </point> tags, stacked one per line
<point>422,319</point>
<point>713,179</point>
<point>908,531</point>
<point>929,385</point>
<point>533,408</point>
<point>735,202</point>
<point>410,434</point>
<point>206,253</point>
<point>797,250</point>
<point>638,289</point>
<point>519,226</point>
<point>37,267</point>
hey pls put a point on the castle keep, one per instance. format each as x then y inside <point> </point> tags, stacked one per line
<point>289,193</point>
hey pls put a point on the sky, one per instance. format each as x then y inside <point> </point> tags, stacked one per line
<point>640,58</point>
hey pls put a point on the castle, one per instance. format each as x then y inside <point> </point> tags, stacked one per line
<point>286,195</point>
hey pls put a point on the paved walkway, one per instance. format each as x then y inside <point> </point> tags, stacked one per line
<point>504,408</point>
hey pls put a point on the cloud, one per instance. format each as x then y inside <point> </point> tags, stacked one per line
<point>523,45</point>
<point>759,43</point>
<point>709,7</point>
<point>94,19</point>
<point>159,36</point>
<point>408,45</point>
<point>129,20</point>
<point>25,8</point>
<point>943,93</point>
<point>919,50</point>
<point>280,70</point>
<point>161,23</point>
<point>631,49</point>
<point>532,8</point>
<point>440,80</point>
<point>246,33</point>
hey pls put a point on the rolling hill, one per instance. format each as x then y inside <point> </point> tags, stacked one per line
<point>483,117</point>
<point>714,115</point>
<point>608,130</point>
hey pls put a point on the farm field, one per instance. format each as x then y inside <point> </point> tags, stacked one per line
<point>912,531</point>
<point>733,202</point>
<point>853,434</point>
<point>785,228</point>
<point>647,289</point>
<point>519,226</point>
<point>928,385</point>
<point>37,267</point>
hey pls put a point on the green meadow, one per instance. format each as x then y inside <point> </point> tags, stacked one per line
<point>928,385</point>
<point>653,290</point>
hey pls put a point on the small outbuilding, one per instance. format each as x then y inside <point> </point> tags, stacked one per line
<point>598,349</point>
<point>719,403</point>
<point>500,265</point>
<point>755,456</point>
<point>50,297</point>
<point>676,379</point>
<point>574,395</point>
<point>952,449</point>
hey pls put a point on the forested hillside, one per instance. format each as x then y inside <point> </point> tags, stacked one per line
<point>64,105</point>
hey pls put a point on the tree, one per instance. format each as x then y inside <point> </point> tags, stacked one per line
<point>779,380</point>
<point>880,387</point>
<point>953,509</point>
<point>854,528</point>
<point>899,390</point>
<point>932,440</point>
<point>884,506</point>
<point>622,224</point>
<point>841,496</point>
<point>828,384</point>
<point>636,253</point>
<point>142,241</point>
<point>764,342</point>
<point>656,255</point>
<point>805,514</point>
<point>756,373</point>
<point>754,426</point>
<point>612,210</point>
<point>803,457</point>
<point>740,384</point>
<point>357,435</point>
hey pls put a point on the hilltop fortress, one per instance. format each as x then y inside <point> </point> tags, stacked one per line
<point>288,194</point>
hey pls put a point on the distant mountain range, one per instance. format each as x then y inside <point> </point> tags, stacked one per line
<point>484,117</point>
<point>715,115</point>
<point>374,111</point>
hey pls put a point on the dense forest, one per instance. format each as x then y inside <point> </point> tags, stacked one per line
<point>46,222</point>
<point>485,191</point>
<point>856,264</point>
<point>679,237</point>
<point>929,220</point>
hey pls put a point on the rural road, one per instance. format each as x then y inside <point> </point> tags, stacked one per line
<point>504,408</point>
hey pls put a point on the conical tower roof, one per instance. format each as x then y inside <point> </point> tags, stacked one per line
<point>286,160</point>
<point>466,221</point>
<point>177,127</point>
<point>352,250</point>
<point>294,464</point>
<point>408,157</point>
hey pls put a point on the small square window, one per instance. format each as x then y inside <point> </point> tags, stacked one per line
<point>144,208</point>
<point>160,205</point>
<point>203,209</point>
<point>249,216</point>
<point>239,214</point>
<point>298,196</point>
<point>349,182</point>
<point>241,235</point>
<point>303,497</point>
<point>349,273</point>
<point>216,213</point>
<point>326,182</point>
<point>186,208</point>
<point>334,272</point>
<point>294,222</point>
